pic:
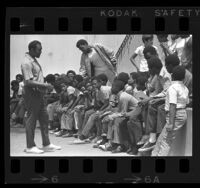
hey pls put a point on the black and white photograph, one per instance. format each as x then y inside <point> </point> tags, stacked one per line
<point>100,95</point>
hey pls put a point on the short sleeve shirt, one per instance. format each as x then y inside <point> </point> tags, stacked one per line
<point>143,63</point>
<point>177,94</point>
<point>126,102</point>
<point>31,69</point>
<point>21,86</point>
<point>104,93</point>
<point>70,90</point>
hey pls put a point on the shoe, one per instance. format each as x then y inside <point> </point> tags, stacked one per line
<point>92,137</point>
<point>78,141</point>
<point>60,133</point>
<point>107,147</point>
<point>51,128</point>
<point>147,146</point>
<point>96,139</point>
<point>75,135</point>
<point>133,151</point>
<point>34,150</point>
<point>51,147</point>
<point>88,140</point>
<point>66,135</point>
<point>103,147</point>
<point>119,149</point>
<point>143,140</point>
<point>52,131</point>
<point>129,150</point>
<point>99,142</point>
<point>95,146</point>
<point>17,126</point>
<point>56,130</point>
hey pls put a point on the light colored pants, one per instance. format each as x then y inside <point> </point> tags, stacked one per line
<point>67,121</point>
<point>51,109</point>
<point>166,138</point>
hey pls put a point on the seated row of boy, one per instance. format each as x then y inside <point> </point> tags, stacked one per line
<point>150,110</point>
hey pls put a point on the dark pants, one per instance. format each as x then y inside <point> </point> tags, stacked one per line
<point>161,118</point>
<point>134,126</point>
<point>120,131</point>
<point>152,116</point>
<point>36,110</point>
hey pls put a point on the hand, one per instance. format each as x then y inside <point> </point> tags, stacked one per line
<point>105,119</point>
<point>71,112</point>
<point>64,109</point>
<point>153,101</point>
<point>144,102</point>
<point>86,92</point>
<point>97,112</point>
<point>48,86</point>
<point>157,101</point>
<point>124,114</point>
<point>169,127</point>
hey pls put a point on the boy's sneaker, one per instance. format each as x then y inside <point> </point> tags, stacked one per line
<point>78,141</point>
<point>67,134</point>
<point>18,125</point>
<point>60,133</point>
<point>147,146</point>
<point>143,140</point>
<point>51,147</point>
<point>96,139</point>
<point>133,151</point>
<point>56,130</point>
<point>34,150</point>
<point>75,135</point>
<point>52,131</point>
<point>106,147</point>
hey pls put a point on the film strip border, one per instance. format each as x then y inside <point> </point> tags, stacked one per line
<point>102,21</point>
<point>104,170</point>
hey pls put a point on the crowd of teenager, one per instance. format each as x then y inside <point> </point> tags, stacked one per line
<point>138,112</point>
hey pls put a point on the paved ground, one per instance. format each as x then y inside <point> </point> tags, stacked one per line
<point>18,144</point>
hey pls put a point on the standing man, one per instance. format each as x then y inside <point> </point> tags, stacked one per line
<point>96,60</point>
<point>34,90</point>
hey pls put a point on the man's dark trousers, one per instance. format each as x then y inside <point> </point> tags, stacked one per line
<point>36,110</point>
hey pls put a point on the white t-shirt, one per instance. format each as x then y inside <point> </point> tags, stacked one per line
<point>178,46</point>
<point>143,66</point>
<point>177,94</point>
<point>129,89</point>
<point>71,90</point>
<point>21,86</point>
<point>105,92</point>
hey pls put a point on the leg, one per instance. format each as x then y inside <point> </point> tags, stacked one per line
<point>43,119</point>
<point>161,118</point>
<point>152,119</point>
<point>135,131</point>
<point>166,138</point>
<point>120,131</point>
<point>89,125</point>
<point>33,108</point>
<point>86,117</point>
<point>30,128</point>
